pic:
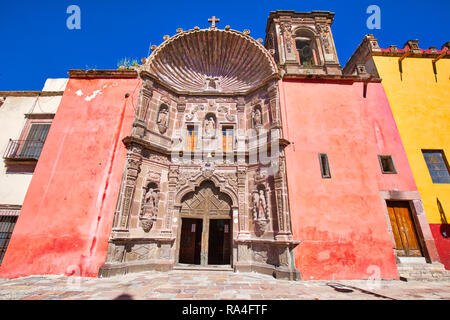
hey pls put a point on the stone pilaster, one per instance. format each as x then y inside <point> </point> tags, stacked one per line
<point>243,205</point>
<point>281,195</point>
<point>174,172</point>
<point>134,161</point>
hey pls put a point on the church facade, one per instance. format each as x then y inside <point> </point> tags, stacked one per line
<point>220,152</point>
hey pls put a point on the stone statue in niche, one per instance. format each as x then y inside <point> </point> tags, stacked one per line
<point>257,118</point>
<point>163,118</point>
<point>260,210</point>
<point>149,207</point>
<point>210,127</point>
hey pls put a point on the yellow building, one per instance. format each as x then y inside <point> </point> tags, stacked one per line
<point>417,85</point>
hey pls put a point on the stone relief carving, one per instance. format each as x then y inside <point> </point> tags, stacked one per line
<point>150,201</point>
<point>159,158</point>
<point>190,115</point>
<point>257,118</point>
<point>260,209</point>
<point>226,110</point>
<point>149,208</point>
<point>163,118</point>
<point>286,30</point>
<point>165,99</point>
<point>210,127</point>
<point>322,29</point>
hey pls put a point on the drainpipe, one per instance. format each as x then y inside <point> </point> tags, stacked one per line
<point>400,63</point>
<point>443,54</point>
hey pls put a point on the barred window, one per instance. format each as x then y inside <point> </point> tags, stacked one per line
<point>34,142</point>
<point>7,224</point>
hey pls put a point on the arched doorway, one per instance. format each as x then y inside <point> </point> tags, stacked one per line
<point>205,235</point>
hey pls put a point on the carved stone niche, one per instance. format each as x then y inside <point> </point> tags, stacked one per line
<point>257,119</point>
<point>210,126</point>
<point>260,209</point>
<point>150,201</point>
<point>163,118</point>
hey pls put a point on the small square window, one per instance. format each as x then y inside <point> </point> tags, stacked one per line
<point>387,164</point>
<point>437,165</point>
<point>324,166</point>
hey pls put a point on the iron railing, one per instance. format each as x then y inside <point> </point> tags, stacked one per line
<point>23,149</point>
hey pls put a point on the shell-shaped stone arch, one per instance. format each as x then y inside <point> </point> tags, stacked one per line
<point>188,61</point>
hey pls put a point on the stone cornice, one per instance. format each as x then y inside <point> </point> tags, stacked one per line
<point>330,78</point>
<point>369,47</point>
<point>89,74</point>
<point>30,93</point>
<point>147,75</point>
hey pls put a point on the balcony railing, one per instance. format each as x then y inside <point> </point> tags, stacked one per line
<point>23,149</point>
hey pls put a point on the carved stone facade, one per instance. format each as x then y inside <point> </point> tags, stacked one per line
<point>207,151</point>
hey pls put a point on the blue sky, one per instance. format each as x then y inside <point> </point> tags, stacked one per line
<point>36,44</point>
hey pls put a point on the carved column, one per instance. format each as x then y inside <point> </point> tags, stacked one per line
<point>134,161</point>
<point>174,172</point>
<point>243,205</point>
<point>142,110</point>
<point>275,111</point>
<point>287,40</point>
<point>281,195</point>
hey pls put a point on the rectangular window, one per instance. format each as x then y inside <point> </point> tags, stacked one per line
<point>7,224</point>
<point>387,164</point>
<point>324,166</point>
<point>32,146</point>
<point>191,139</point>
<point>227,138</point>
<point>437,165</point>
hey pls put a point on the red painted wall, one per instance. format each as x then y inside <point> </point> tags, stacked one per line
<point>67,213</point>
<point>341,222</point>
<point>442,244</point>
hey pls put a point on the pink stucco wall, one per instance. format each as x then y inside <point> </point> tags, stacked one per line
<point>67,213</point>
<point>341,222</point>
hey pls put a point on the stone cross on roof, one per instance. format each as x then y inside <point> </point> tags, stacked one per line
<point>213,20</point>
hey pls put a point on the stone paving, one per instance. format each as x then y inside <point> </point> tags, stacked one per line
<point>183,284</point>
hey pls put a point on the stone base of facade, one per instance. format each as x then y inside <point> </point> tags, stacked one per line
<point>115,269</point>
<point>276,272</point>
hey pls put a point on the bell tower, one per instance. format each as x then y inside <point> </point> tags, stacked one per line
<point>302,42</point>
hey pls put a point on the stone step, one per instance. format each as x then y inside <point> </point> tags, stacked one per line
<point>192,267</point>
<point>423,271</point>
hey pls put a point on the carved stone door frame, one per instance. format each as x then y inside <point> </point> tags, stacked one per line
<point>207,203</point>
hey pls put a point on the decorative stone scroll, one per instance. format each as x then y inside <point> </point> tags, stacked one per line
<point>190,116</point>
<point>226,110</point>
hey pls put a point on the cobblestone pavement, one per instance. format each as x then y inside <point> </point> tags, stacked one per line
<point>213,285</point>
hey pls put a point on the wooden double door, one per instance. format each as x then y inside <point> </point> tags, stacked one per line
<point>403,227</point>
<point>206,234</point>
<point>205,241</point>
